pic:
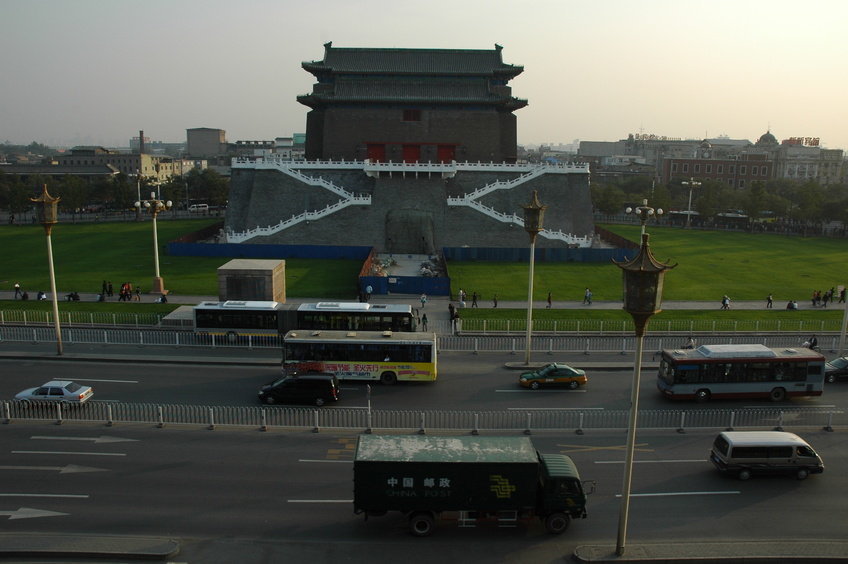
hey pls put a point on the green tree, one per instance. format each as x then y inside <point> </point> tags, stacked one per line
<point>75,193</point>
<point>607,198</point>
<point>754,200</point>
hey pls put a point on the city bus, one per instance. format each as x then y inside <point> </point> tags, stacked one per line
<point>740,371</point>
<point>236,317</point>
<point>385,356</point>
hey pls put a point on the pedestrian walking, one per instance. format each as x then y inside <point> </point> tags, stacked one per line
<point>587,296</point>
<point>424,321</point>
<point>18,291</point>
<point>725,302</point>
<point>110,290</point>
<point>423,300</point>
<point>474,299</point>
<point>769,301</point>
<point>842,296</point>
<point>368,290</point>
<point>137,293</point>
<point>495,301</point>
<point>550,298</point>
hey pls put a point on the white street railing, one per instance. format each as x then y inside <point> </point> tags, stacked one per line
<point>459,341</point>
<point>515,421</point>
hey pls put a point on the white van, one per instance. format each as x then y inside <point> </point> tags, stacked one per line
<point>744,453</point>
<point>198,208</point>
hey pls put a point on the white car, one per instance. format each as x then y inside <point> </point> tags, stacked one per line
<point>61,391</point>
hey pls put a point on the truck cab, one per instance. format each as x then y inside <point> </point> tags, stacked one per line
<point>561,490</point>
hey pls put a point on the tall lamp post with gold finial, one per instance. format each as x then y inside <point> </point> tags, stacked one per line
<point>46,215</point>
<point>643,285</point>
<point>154,205</point>
<point>534,216</point>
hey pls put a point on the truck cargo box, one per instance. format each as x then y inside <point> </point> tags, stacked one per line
<point>414,473</point>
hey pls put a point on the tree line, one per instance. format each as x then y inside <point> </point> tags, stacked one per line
<point>117,193</point>
<point>783,200</point>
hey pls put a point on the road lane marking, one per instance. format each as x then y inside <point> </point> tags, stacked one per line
<point>673,494</point>
<point>111,381</point>
<point>69,469</point>
<point>100,439</point>
<point>74,452</point>
<point>320,501</point>
<point>582,448</point>
<point>75,496</point>
<point>541,391</point>
<point>29,513</point>
<point>699,460</point>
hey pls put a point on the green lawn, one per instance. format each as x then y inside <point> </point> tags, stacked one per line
<point>86,254</point>
<point>710,264</point>
<point>744,266</point>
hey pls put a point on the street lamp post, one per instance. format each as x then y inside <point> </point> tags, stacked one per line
<point>643,285</point>
<point>154,205</point>
<point>534,215</point>
<point>692,183</point>
<point>46,216</point>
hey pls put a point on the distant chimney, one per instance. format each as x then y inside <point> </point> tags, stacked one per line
<point>141,142</point>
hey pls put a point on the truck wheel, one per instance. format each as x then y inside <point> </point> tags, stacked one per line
<point>421,524</point>
<point>777,394</point>
<point>557,523</point>
<point>388,378</point>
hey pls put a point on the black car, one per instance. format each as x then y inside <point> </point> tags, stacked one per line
<point>316,389</point>
<point>836,369</point>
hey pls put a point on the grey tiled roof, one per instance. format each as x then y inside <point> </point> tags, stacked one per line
<point>413,61</point>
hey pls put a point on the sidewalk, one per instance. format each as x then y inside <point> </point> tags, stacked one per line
<point>440,303</point>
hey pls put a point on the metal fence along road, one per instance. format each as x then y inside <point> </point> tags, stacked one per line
<point>524,421</point>
<point>551,343</point>
<point>85,318</point>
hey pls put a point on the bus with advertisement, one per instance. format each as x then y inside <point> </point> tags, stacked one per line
<point>740,371</point>
<point>243,317</point>
<point>384,356</point>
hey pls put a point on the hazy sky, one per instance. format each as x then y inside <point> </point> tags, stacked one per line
<point>98,71</point>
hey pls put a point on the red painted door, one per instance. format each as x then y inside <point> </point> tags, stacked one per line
<point>447,153</point>
<point>376,152</point>
<point>411,153</point>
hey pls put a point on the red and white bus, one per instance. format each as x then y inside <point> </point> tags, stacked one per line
<point>740,371</point>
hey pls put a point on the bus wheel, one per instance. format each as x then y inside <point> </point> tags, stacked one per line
<point>421,524</point>
<point>802,473</point>
<point>702,395</point>
<point>388,378</point>
<point>778,394</point>
<point>744,474</point>
<point>557,523</point>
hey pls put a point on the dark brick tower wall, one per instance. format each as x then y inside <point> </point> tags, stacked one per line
<point>263,198</point>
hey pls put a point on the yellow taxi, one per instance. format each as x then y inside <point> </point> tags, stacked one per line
<point>554,374</point>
